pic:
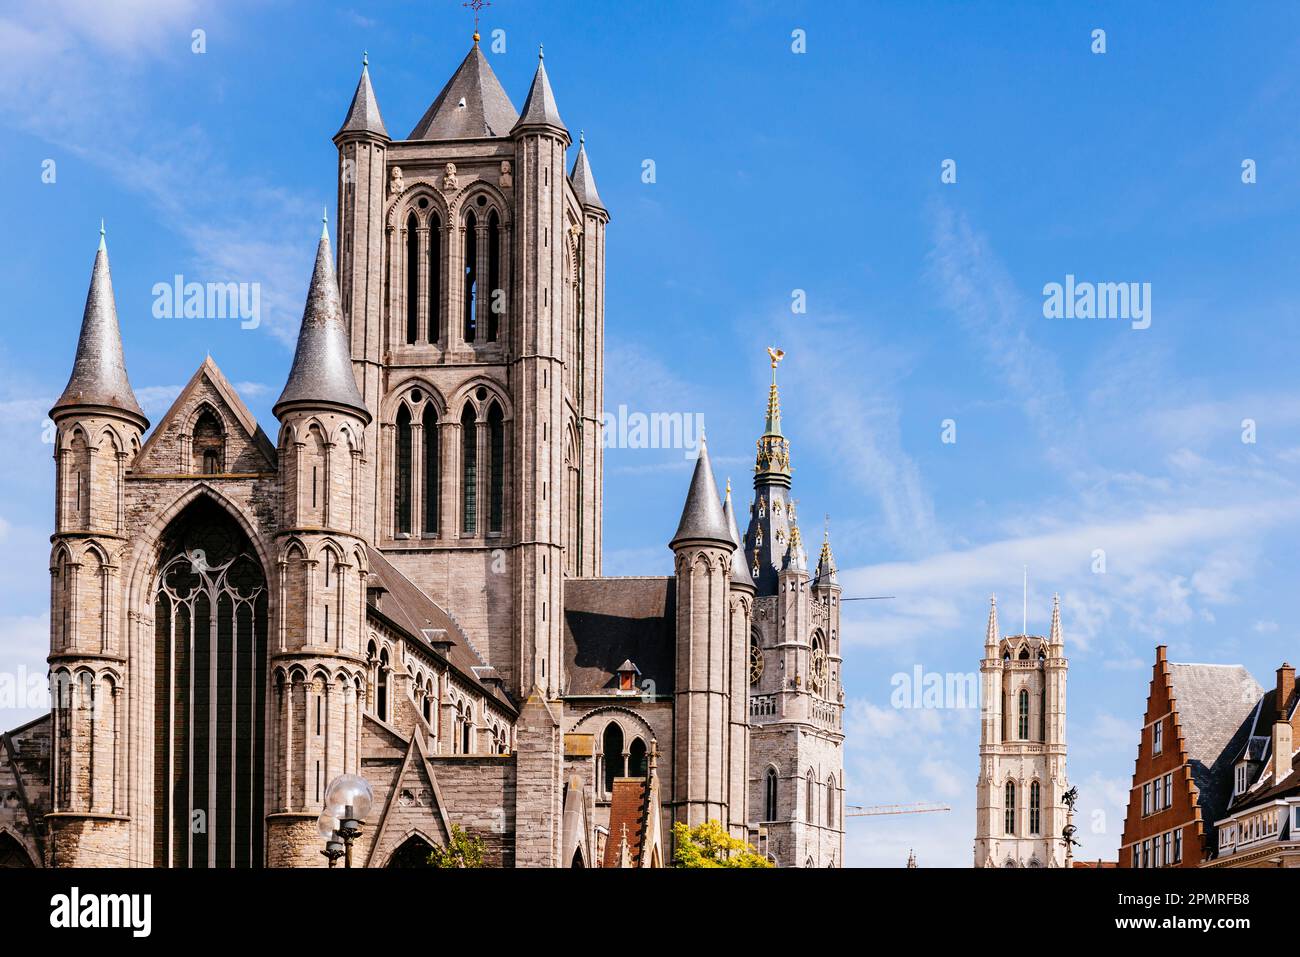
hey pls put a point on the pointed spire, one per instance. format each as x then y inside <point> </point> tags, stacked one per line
<point>472,105</point>
<point>539,107</point>
<point>826,573</point>
<point>321,376</point>
<point>1056,639</point>
<point>363,115</point>
<point>739,572</point>
<point>794,553</point>
<point>702,517</point>
<point>772,465</point>
<point>991,634</point>
<point>99,376</point>
<point>584,184</point>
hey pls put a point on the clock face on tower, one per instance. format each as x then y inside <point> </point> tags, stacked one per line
<point>755,662</point>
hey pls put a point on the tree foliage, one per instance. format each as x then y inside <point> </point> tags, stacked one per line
<point>709,845</point>
<point>461,851</point>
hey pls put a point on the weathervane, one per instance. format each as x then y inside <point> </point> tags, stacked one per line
<point>476,6</point>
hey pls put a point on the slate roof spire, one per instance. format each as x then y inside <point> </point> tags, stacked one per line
<point>1055,638</point>
<point>991,633</point>
<point>826,573</point>
<point>702,517</point>
<point>540,108</point>
<point>584,184</point>
<point>472,105</point>
<point>99,376</point>
<point>363,115</point>
<point>772,464</point>
<point>739,572</point>
<point>321,376</point>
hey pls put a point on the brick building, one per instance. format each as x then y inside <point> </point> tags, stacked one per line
<point>1198,717</point>
<point>406,584</point>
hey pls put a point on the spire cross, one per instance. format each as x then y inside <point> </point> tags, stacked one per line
<point>476,6</point>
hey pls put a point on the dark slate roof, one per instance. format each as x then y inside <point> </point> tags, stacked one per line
<point>487,111</point>
<point>702,516</point>
<point>363,115</point>
<point>99,371</point>
<point>584,184</point>
<point>425,621</point>
<point>539,107</point>
<point>321,375</point>
<point>739,571</point>
<point>1216,709</point>
<point>609,620</point>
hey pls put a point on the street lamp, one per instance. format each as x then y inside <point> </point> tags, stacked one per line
<point>347,802</point>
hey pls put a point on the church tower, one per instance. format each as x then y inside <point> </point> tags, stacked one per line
<point>796,701</point>
<point>1020,811</point>
<point>99,425</point>
<point>316,655</point>
<point>472,270</point>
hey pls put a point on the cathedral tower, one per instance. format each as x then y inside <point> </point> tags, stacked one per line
<point>316,653</point>
<point>99,424</point>
<point>740,607</point>
<point>1020,810</point>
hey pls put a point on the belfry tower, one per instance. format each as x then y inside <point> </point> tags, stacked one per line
<point>1019,808</point>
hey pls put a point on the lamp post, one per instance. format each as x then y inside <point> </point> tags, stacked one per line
<point>347,802</point>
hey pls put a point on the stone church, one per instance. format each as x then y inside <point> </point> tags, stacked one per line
<point>406,582</point>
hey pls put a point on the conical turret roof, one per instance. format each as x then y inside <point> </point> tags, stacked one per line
<point>99,376</point>
<point>702,516</point>
<point>539,107</point>
<point>739,573</point>
<point>584,184</point>
<point>363,115</point>
<point>472,105</point>
<point>321,376</point>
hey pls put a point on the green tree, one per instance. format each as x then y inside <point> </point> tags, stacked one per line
<point>709,845</point>
<point>461,851</point>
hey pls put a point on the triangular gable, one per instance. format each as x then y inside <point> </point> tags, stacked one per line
<point>248,449</point>
<point>414,805</point>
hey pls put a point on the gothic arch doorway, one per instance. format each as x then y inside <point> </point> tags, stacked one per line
<point>413,852</point>
<point>12,853</point>
<point>210,620</point>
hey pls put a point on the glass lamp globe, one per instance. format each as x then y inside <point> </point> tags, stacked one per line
<point>327,826</point>
<point>349,791</point>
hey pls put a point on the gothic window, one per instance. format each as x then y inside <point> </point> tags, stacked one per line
<point>496,295</point>
<point>402,476</point>
<point>471,276</point>
<point>434,301</point>
<point>210,634</point>
<point>817,665</point>
<point>432,472</point>
<point>810,808</point>
<point>1035,809</point>
<point>1042,712</point>
<point>769,795</point>
<point>207,444</point>
<point>611,755</point>
<point>636,762</point>
<point>412,280</point>
<point>381,687</point>
<point>831,794</point>
<point>1024,654</point>
<point>497,468</point>
<point>1011,807</point>
<point>469,471</point>
<point>1023,725</point>
<point>372,666</point>
<point>467,733</point>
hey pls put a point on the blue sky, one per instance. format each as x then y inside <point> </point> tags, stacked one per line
<point>776,171</point>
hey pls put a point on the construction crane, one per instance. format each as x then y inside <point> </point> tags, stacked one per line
<point>872,810</point>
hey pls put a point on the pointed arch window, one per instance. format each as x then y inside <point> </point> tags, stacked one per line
<point>412,280</point>
<point>432,469</point>
<point>402,474</point>
<point>810,803</point>
<point>469,471</point>
<point>611,756</point>
<point>769,795</point>
<point>496,295</point>
<point>1023,724</point>
<point>471,276</point>
<point>1035,809</point>
<point>434,301</point>
<point>636,762</point>
<point>497,468</point>
<point>381,687</point>
<point>1042,712</point>
<point>1011,807</point>
<point>830,801</point>
<point>207,443</point>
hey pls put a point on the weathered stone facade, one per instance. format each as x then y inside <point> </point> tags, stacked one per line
<point>406,583</point>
